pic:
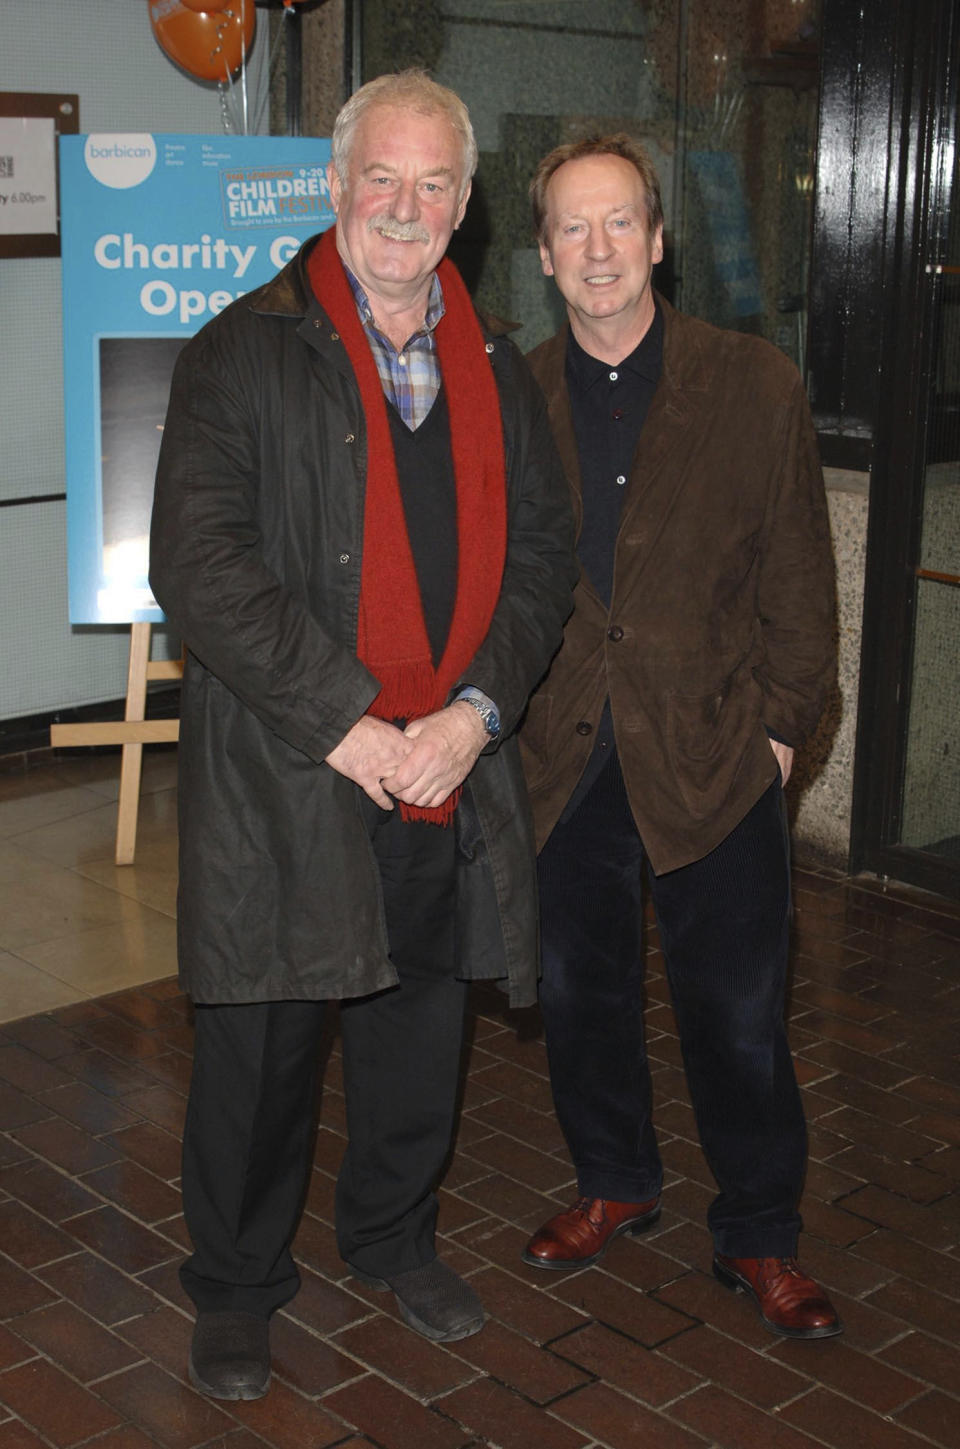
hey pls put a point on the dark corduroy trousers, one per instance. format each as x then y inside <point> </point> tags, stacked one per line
<point>723,924</point>
<point>249,1133</point>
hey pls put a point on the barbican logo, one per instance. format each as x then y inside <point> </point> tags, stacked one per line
<point>120,160</point>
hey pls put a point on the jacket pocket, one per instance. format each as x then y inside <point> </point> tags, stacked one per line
<point>534,739</point>
<point>707,736</point>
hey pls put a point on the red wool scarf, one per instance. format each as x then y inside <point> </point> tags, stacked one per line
<point>391,634</point>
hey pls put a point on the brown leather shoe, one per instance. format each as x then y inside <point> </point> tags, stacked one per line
<point>580,1236</point>
<point>790,1303</point>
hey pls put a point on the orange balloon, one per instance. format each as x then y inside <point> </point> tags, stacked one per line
<point>213,6</point>
<point>209,46</point>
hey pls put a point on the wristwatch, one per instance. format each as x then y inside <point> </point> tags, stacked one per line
<point>485,708</point>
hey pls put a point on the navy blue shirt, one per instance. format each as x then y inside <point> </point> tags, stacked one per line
<point>609,407</point>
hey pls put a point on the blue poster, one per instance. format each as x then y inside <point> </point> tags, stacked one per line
<point>159,234</point>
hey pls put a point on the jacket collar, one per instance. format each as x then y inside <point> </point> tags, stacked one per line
<point>289,294</point>
<point>684,365</point>
<point>668,424</point>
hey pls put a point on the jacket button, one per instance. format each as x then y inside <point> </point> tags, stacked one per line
<point>350,438</point>
<point>344,558</point>
<point>615,633</point>
<point>584,727</point>
<point>334,336</point>
<point>489,347</point>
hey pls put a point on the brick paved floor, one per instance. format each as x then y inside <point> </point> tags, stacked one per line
<point>646,1351</point>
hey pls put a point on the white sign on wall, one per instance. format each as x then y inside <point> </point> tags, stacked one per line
<point>28,176</point>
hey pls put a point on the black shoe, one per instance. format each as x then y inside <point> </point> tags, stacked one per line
<point>432,1299</point>
<point>230,1355</point>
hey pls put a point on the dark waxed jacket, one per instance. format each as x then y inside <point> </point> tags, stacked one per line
<point>256,559</point>
<point>722,617</point>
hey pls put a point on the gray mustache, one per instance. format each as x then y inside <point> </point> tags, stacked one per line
<point>398,230</point>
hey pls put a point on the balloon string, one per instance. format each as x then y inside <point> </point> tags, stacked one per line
<point>234,110</point>
<point>225,87</point>
<point>271,67</point>
<point>228,110</point>
<point>243,63</point>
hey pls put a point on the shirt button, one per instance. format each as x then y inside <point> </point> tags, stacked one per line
<point>614,376</point>
<point>621,479</point>
<point>402,359</point>
<point>617,414</point>
<point>350,438</point>
<point>344,558</point>
<point>584,727</point>
<point>615,633</point>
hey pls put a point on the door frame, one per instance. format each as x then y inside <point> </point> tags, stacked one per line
<point>924,98</point>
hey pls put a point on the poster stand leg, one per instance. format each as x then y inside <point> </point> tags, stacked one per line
<point>131,755</point>
<point>132,734</point>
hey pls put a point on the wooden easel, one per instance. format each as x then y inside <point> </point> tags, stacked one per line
<point>132,733</point>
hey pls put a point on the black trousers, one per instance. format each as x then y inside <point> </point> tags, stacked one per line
<point>723,925</point>
<point>249,1132</point>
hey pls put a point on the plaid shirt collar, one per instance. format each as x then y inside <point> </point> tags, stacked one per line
<point>410,377</point>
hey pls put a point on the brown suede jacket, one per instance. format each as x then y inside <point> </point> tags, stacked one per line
<point>722,620</point>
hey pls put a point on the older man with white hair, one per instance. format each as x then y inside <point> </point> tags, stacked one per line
<point>362,532</point>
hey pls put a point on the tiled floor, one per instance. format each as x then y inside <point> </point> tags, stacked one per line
<point>647,1351</point>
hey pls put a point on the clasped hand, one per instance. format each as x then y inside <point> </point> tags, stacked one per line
<point>420,765</point>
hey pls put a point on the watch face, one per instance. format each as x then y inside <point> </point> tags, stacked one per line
<point>491,720</point>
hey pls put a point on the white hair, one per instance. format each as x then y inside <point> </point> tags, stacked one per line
<point>412,90</point>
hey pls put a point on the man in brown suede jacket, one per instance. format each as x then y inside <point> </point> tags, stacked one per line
<point>697,658</point>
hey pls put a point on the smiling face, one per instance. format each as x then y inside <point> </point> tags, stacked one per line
<point>598,246</point>
<point>402,201</point>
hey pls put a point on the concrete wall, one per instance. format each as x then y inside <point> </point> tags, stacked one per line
<point>932,782</point>
<point>820,793</point>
